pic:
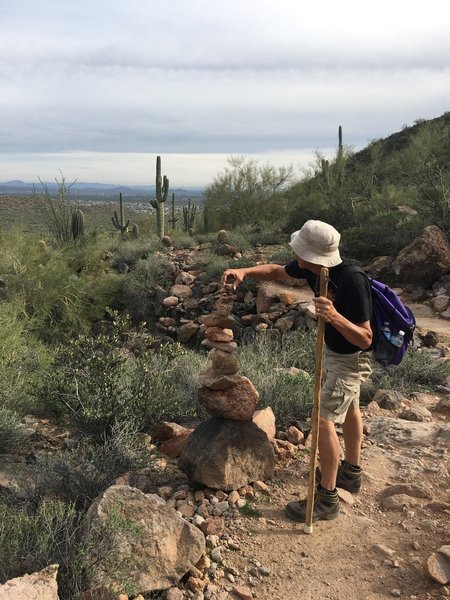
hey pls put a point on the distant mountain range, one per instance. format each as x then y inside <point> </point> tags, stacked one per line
<point>80,188</point>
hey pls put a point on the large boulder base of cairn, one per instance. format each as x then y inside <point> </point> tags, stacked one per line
<point>158,545</point>
<point>227,455</point>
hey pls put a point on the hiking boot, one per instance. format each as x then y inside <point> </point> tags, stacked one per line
<point>348,477</point>
<point>326,507</point>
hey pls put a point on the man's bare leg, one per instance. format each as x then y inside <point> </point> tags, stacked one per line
<point>329,453</point>
<point>353,436</point>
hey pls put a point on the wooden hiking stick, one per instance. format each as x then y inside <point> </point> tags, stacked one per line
<point>308,526</point>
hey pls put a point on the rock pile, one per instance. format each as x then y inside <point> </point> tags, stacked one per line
<point>228,450</point>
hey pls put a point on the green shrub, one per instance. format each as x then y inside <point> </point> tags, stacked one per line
<point>281,256</point>
<point>213,269</point>
<point>79,475</point>
<point>130,252</point>
<point>12,434</point>
<point>417,371</point>
<point>31,540</point>
<point>111,379</point>
<point>23,360</point>
<point>266,361</point>
<point>141,287</point>
<point>380,235</point>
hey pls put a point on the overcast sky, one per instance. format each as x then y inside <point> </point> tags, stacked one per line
<point>98,88</point>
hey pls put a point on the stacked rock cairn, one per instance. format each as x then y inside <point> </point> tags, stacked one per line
<point>223,392</point>
<point>228,450</point>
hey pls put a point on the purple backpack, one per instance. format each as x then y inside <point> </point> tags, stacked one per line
<point>387,308</point>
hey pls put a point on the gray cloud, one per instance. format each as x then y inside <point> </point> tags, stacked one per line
<point>215,76</point>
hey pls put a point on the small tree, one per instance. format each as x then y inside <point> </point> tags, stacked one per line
<point>246,193</point>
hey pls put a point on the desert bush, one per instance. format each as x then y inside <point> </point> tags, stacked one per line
<point>80,474</point>
<point>57,211</point>
<point>140,290</point>
<point>266,362</point>
<point>381,235</point>
<point>282,256</point>
<point>267,237</point>
<point>216,265</point>
<point>13,435</point>
<point>101,381</point>
<point>23,358</point>
<point>33,539</point>
<point>130,251</point>
<point>54,533</point>
<point>417,371</point>
<point>56,287</point>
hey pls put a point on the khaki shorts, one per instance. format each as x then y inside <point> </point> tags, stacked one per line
<point>343,375</point>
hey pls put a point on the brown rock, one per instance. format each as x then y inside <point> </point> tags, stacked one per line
<point>217,381</point>
<point>155,562</point>
<point>224,305</point>
<point>181,291</point>
<point>167,430</point>
<point>398,502</point>
<point>409,489</point>
<point>217,334</point>
<point>224,346</point>
<point>215,319</point>
<point>226,455</point>
<point>237,403</point>
<point>174,594</point>
<point>187,331</point>
<point>264,299</point>
<point>175,445</point>
<point>426,259</point>
<point>265,420</point>
<point>224,362</point>
<point>294,435</point>
<point>242,592</point>
<point>439,565</point>
<point>213,526</point>
<point>41,584</point>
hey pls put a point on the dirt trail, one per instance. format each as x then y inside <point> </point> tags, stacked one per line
<point>366,554</point>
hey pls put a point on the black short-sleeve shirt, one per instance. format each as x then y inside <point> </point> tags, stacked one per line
<point>353,300</point>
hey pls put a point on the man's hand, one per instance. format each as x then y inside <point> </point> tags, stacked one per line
<point>325,309</point>
<point>234,276</point>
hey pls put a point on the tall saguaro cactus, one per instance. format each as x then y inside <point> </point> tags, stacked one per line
<point>162,190</point>
<point>119,221</point>
<point>173,220</point>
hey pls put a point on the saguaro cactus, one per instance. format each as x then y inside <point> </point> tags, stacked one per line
<point>77,224</point>
<point>173,220</point>
<point>119,221</point>
<point>189,212</point>
<point>162,189</point>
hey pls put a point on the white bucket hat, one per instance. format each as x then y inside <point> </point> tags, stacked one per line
<point>317,243</point>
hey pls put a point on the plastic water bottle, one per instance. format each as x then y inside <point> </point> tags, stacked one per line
<point>386,329</point>
<point>397,340</point>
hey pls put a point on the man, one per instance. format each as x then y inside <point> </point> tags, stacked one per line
<point>346,313</point>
